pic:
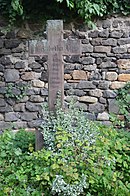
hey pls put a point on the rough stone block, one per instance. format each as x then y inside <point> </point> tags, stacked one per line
<point>2,102</point>
<point>87,60</point>
<point>116,34</point>
<point>28,116</point>
<point>37,75</point>
<point>12,43</point>
<point>35,123</point>
<point>68,67</point>
<point>112,106</point>
<point>16,91</point>
<point>4,125</point>
<point>102,49</point>
<point>70,98</point>
<point>96,42</point>
<point>96,93</point>
<point>127,23</point>
<point>70,92</point>
<point>5,60</point>
<point>73,81</point>
<point>86,85</point>
<point>125,34</point>
<point>125,56</point>
<point>23,100</point>
<point>87,48</point>
<point>117,85</point>
<point>71,59</point>
<point>19,65</point>
<point>123,63</point>
<point>5,109</point>
<point>104,33</point>
<point>32,107</point>
<point>103,116</point>
<point>102,100</point>
<point>67,76</point>
<point>116,23</point>
<point>28,76</point>
<point>93,34</point>
<point>1,33</point>
<point>111,57</point>
<point>98,55</point>
<point>82,106</point>
<point>80,34</point>
<point>104,85</point>
<point>44,76</point>
<point>11,101</point>
<point>36,98</point>
<point>119,50</point>
<point>30,92</point>
<point>124,71</point>
<point>38,84</point>
<point>107,64</point>
<point>11,117</point>
<point>98,61</point>
<point>106,24</point>
<point>20,124</point>
<point>46,85</point>
<point>4,51</point>
<point>95,75</point>
<point>124,41</point>
<point>20,107</point>
<point>44,92</point>
<point>90,116</point>
<point>85,41</point>
<point>11,75</point>
<point>1,43</point>
<point>35,65</point>
<point>96,108</point>
<point>79,92</point>
<point>109,42</point>
<point>1,68</point>
<point>90,67</point>
<point>109,94</point>
<point>111,76</point>
<point>88,99</point>
<point>17,51</point>
<point>79,75</point>
<point>1,117</point>
<point>124,77</point>
<point>10,35</point>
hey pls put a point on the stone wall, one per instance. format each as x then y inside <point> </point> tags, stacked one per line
<point>91,79</point>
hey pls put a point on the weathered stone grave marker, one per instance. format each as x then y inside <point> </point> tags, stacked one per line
<point>55,47</point>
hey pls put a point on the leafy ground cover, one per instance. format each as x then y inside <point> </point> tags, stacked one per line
<point>123,102</point>
<point>79,158</point>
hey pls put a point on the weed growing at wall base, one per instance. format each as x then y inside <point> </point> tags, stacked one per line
<point>123,102</point>
<point>16,91</point>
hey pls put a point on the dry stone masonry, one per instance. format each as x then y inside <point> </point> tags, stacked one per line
<point>91,79</point>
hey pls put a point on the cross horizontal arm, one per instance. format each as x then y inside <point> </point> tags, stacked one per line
<point>71,47</point>
<point>41,48</point>
<point>38,48</point>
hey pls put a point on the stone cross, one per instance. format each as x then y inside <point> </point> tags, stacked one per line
<point>55,47</point>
